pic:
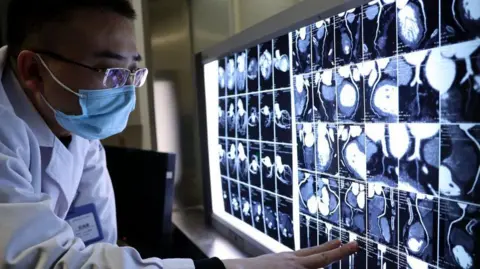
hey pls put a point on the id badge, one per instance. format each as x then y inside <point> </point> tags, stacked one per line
<point>85,224</point>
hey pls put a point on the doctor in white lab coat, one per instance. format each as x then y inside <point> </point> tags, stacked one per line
<point>68,79</point>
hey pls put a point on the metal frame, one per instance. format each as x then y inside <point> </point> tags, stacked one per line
<point>304,13</point>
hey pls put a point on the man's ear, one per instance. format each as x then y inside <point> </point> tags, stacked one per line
<point>28,71</point>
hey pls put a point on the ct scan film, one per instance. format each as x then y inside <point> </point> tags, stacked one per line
<point>363,126</point>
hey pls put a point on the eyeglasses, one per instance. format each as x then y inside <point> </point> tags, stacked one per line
<point>113,77</point>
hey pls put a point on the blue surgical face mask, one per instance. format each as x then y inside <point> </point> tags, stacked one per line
<point>105,112</point>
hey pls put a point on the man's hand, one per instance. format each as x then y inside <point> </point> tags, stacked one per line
<point>310,258</point>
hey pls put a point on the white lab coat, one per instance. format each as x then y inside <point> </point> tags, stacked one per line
<point>41,180</point>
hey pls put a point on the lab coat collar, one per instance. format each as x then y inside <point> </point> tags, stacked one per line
<point>20,103</point>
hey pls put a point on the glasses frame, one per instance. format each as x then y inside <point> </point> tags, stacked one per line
<point>132,74</point>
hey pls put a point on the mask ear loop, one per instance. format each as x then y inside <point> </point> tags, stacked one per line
<point>55,78</point>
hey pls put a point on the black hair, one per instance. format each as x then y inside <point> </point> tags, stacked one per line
<point>26,18</point>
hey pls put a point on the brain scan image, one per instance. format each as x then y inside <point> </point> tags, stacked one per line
<point>241,71</point>
<point>380,28</point>
<point>349,37</point>
<point>226,195</point>
<point>222,118</point>
<point>257,210</point>
<point>253,117</point>
<point>460,162</point>
<point>271,216</point>
<point>353,196</point>
<point>230,75</point>
<point>307,185</point>
<point>303,97</point>
<point>419,154</point>
<point>326,154</point>
<point>242,162</point>
<point>281,62</point>
<point>285,222</point>
<point>385,144</point>
<point>246,206</point>
<point>268,167</point>
<point>283,116</point>
<point>255,164</point>
<point>221,78</point>
<point>418,228</point>
<point>222,157</point>
<point>359,259</point>
<point>253,69</point>
<point>323,44</point>
<point>302,55</point>
<point>235,199</point>
<point>350,93</point>
<point>460,20</point>
<point>231,117</point>
<point>382,205</point>
<point>460,223</point>
<point>267,115</point>
<point>417,24</point>
<point>419,92</point>
<point>306,146</point>
<point>351,147</point>
<point>308,232</point>
<point>265,63</point>
<point>328,232</point>
<point>283,169</point>
<point>381,90</point>
<point>328,199</point>
<point>324,93</point>
<point>242,117</point>
<point>454,72</point>
<point>232,159</point>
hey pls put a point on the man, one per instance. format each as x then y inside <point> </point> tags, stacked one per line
<point>68,79</point>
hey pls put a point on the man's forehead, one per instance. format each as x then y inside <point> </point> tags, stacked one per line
<point>94,33</point>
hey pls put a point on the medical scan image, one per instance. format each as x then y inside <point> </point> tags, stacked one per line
<point>271,216</point>
<point>350,93</point>
<point>285,222</point>
<point>267,116</point>
<point>255,164</point>
<point>242,117</point>
<point>268,167</point>
<point>417,24</point>
<point>231,117</point>
<point>323,40</point>
<point>283,170</point>
<point>281,62</point>
<point>380,28</point>
<point>265,63</point>
<point>246,206</point>
<point>283,116</point>
<point>303,98</point>
<point>221,78</point>
<point>326,154</point>
<point>230,75</point>
<point>241,72</point>
<point>306,146</point>
<point>324,96</point>
<point>253,70</point>
<point>235,199</point>
<point>362,124</point>
<point>302,52</point>
<point>257,209</point>
<point>349,37</point>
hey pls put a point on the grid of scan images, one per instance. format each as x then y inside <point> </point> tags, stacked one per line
<point>255,120</point>
<point>387,121</point>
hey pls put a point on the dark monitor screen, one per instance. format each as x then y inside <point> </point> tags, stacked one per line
<point>364,126</point>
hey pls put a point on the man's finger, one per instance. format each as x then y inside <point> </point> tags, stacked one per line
<point>325,258</point>
<point>322,248</point>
